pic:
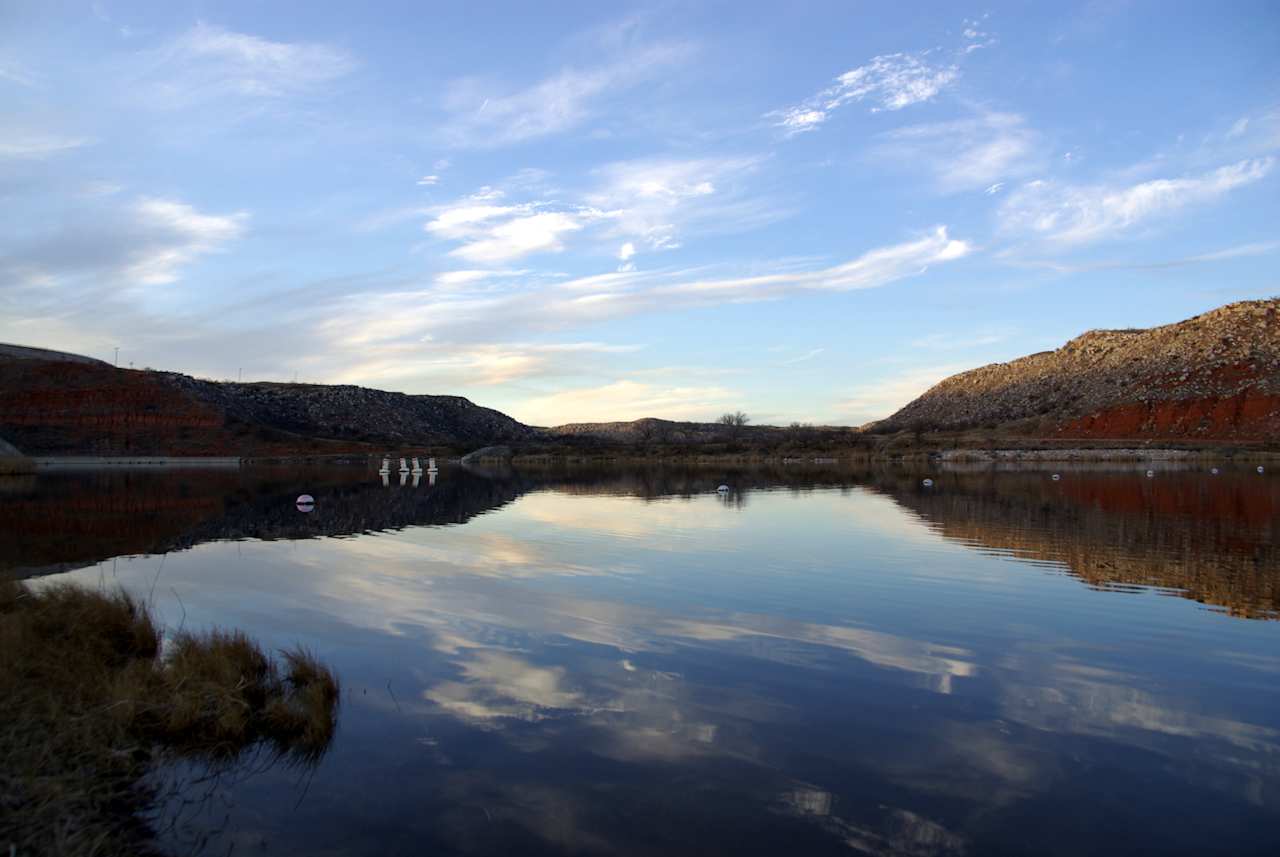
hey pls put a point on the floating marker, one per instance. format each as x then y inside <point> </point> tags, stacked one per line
<point>928,483</point>
<point>1056,477</point>
<point>306,503</point>
<point>723,489</point>
<point>1214,471</point>
<point>1150,473</point>
<point>1261,469</point>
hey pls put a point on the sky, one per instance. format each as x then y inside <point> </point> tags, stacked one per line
<point>605,211</point>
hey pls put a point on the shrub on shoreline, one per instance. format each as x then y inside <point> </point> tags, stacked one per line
<point>95,700</point>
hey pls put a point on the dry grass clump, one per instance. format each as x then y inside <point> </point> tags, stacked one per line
<point>92,704</point>
<point>14,464</point>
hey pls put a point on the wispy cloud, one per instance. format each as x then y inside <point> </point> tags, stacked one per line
<point>15,72</point>
<point>655,200</point>
<point>208,62</point>
<point>803,358</point>
<point>180,234</point>
<point>646,204</point>
<point>965,154</point>
<point>457,279</point>
<point>472,364</point>
<point>485,115</point>
<point>357,325</point>
<point>146,242</point>
<point>15,143</point>
<point>1241,251</point>
<point>888,82</point>
<point>492,233</point>
<point>975,37</point>
<point>1069,214</point>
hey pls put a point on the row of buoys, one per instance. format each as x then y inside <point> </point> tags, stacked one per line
<point>928,483</point>
<point>405,468</point>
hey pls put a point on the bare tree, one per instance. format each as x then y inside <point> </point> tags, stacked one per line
<point>737,418</point>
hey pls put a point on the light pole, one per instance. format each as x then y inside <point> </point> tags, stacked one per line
<point>117,360</point>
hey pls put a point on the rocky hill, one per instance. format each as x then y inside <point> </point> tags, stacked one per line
<point>1212,377</point>
<point>66,407</point>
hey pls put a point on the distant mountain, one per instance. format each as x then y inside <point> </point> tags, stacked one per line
<point>57,404</point>
<point>1212,377</point>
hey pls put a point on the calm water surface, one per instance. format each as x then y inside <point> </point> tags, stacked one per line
<point>626,662</point>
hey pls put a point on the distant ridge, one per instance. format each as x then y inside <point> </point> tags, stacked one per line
<point>1214,376</point>
<point>52,403</point>
<point>26,352</point>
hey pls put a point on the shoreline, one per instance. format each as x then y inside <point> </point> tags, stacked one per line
<point>90,462</point>
<point>825,458</point>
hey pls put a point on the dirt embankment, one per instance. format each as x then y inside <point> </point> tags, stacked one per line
<point>1212,377</point>
<point>65,407</point>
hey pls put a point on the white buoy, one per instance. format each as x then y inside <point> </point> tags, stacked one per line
<point>723,489</point>
<point>1150,473</point>
<point>404,468</point>
<point>306,502</point>
<point>1056,477</point>
<point>928,483</point>
<point>1261,469</point>
<point>1214,471</point>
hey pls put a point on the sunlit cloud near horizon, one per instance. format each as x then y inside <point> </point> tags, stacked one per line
<point>629,210</point>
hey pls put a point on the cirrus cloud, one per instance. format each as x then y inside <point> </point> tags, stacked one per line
<point>1074,214</point>
<point>889,82</point>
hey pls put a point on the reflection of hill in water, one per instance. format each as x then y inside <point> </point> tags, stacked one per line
<point>69,520</point>
<point>1215,540</point>
<point>60,521</point>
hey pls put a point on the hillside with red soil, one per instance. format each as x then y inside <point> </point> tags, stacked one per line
<point>55,406</point>
<point>1214,377</point>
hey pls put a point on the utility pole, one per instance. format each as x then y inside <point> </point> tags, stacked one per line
<point>241,378</point>
<point>117,360</point>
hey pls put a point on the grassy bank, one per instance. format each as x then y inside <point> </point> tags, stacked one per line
<point>95,700</point>
<point>901,448</point>
<point>16,464</point>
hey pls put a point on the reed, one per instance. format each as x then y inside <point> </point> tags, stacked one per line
<point>94,701</point>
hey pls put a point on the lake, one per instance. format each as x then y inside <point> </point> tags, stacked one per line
<point>821,660</point>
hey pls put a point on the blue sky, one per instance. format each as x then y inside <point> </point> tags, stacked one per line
<point>807,211</point>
